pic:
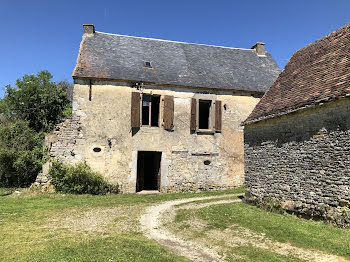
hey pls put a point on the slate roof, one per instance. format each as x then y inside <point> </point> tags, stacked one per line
<point>317,73</point>
<point>120,57</point>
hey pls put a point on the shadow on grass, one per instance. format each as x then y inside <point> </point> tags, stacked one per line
<point>6,191</point>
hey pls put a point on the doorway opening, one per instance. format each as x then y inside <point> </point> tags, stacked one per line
<point>148,170</point>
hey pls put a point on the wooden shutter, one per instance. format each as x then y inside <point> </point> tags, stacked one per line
<point>218,116</point>
<point>193,124</point>
<point>135,109</point>
<point>168,116</point>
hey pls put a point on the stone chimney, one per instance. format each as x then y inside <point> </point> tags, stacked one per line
<point>259,48</point>
<point>89,29</point>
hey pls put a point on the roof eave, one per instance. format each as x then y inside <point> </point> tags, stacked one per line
<point>318,103</point>
<point>257,92</point>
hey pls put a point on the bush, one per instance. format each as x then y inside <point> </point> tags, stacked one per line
<point>20,154</point>
<point>79,179</point>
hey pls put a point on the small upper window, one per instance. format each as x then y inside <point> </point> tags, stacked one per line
<point>150,110</point>
<point>147,109</point>
<point>204,114</point>
<point>147,64</point>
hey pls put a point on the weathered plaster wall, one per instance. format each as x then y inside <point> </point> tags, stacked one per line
<point>302,161</point>
<point>107,118</point>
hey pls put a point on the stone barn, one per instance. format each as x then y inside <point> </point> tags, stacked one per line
<point>161,115</point>
<point>297,139</point>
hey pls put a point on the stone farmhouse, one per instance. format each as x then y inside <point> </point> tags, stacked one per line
<point>161,115</point>
<point>297,139</point>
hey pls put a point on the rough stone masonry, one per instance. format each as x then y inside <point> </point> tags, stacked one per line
<point>302,161</point>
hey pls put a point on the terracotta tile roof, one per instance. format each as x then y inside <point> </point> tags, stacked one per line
<point>316,73</point>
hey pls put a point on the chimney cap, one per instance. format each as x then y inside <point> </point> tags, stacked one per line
<point>89,29</point>
<point>257,44</point>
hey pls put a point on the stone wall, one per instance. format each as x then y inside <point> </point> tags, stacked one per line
<point>195,171</point>
<point>104,123</point>
<point>65,139</point>
<point>302,161</point>
<point>63,144</point>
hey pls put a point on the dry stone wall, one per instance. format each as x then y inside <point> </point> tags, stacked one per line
<point>64,140</point>
<point>302,161</point>
<point>63,144</point>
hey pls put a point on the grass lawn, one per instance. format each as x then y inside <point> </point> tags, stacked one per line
<point>56,227</point>
<point>251,253</point>
<point>6,191</point>
<point>282,228</point>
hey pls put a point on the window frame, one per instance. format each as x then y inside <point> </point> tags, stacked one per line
<point>206,97</point>
<point>150,111</point>
<point>145,62</point>
<point>211,127</point>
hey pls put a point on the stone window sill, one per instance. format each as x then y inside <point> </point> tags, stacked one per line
<point>205,131</point>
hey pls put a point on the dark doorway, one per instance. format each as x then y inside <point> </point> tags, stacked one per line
<point>148,170</point>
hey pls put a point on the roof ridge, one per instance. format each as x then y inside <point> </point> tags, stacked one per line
<point>309,78</point>
<point>172,41</point>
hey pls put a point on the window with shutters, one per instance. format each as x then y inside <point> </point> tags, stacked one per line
<point>205,116</point>
<point>146,111</point>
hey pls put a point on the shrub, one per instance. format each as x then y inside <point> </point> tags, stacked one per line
<point>20,154</point>
<point>79,179</point>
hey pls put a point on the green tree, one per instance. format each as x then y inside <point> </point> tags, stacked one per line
<point>21,153</point>
<point>38,100</point>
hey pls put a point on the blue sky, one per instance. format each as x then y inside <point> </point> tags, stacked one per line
<point>37,35</point>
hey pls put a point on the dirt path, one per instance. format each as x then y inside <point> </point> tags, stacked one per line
<point>152,222</point>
